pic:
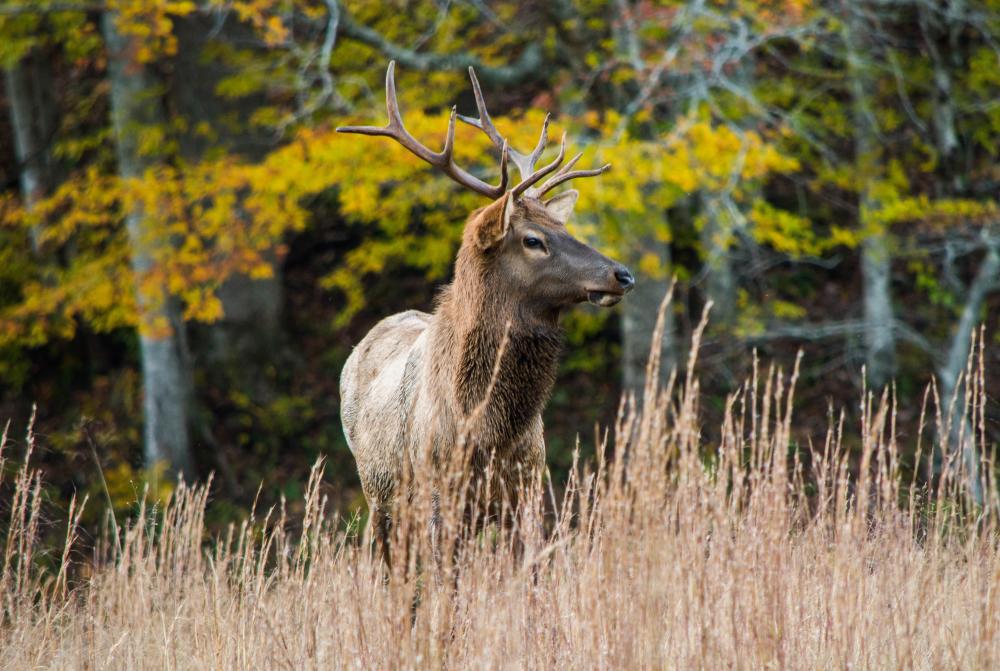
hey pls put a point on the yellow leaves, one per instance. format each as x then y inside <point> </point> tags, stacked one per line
<point>37,23</point>
<point>650,265</point>
<point>202,305</point>
<point>74,147</point>
<point>94,288</point>
<point>984,71</point>
<point>18,35</point>
<point>265,117</point>
<point>787,310</point>
<point>360,200</point>
<point>891,207</point>
<point>843,176</point>
<point>698,155</point>
<point>151,139</point>
<point>264,15</point>
<point>680,167</point>
<point>274,31</point>
<point>754,315</point>
<point>719,155</point>
<point>888,199</point>
<point>242,84</point>
<point>840,236</point>
<point>648,178</point>
<point>262,271</point>
<point>939,213</point>
<point>193,227</point>
<point>782,230</point>
<point>383,186</point>
<point>126,484</point>
<point>929,151</point>
<point>150,25</point>
<point>795,8</point>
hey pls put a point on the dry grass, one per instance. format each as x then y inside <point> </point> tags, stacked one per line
<point>674,554</point>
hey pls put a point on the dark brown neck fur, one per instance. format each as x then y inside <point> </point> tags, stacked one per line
<point>472,317</point>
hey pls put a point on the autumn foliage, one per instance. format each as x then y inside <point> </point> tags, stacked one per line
<point>823,172</point>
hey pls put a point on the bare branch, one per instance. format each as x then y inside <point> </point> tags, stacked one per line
<point>51,8</point>
<point>828,330</point>
<point>528,65</point>
<point>985,281</point>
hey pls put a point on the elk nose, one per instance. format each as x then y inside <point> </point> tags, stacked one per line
<point>624,277</point>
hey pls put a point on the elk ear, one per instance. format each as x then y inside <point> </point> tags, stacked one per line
<point>561,206</point>
<point>491,224</point>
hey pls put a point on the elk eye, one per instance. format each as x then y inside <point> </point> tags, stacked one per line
<point>533,243</point>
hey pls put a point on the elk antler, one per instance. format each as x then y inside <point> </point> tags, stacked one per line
<point>444,159</point>
<point>565,174</point>
<point>526,162</point>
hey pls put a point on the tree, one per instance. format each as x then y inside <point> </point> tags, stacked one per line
<point>30,87</point>
<point>760,148</point>
<point>244,339</point>
<point>167,390</point>
<point>876,258</point>
<point>639,314</point>
<point>956,382</point>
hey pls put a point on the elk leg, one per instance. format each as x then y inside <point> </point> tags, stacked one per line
<point>435,532</point>
<point>381,528</point>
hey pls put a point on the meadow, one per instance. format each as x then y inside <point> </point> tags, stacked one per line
<point>190,252</point>
<point>755,552</point>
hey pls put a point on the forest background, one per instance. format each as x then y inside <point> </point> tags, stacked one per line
<point>188,250</point>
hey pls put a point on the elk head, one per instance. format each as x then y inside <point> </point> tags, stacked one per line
<point>520,238</point>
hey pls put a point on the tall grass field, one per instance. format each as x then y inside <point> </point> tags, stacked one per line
<point>667,551</point>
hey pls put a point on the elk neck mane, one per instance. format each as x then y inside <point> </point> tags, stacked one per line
<point>471,319</point>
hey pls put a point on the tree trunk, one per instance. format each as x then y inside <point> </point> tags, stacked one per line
<point>961,432</point>
<point>245,339</point>
<point>29,89</point>
<point>720,280</point>
<point>876,259</point>
<point>722,220</point>
<point>641,306</point>
<point>945,24</point>
<point>135,104</point>
<point>639,314</point>
<point>879,340</point>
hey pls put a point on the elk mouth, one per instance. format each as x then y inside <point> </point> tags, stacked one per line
<point>604,299</point>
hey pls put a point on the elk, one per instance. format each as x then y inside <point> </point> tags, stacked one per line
<point>480,368</point>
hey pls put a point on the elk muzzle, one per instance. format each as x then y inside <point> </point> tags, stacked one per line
<point>623,283</point>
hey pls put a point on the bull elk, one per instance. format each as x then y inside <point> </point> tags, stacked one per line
<point>419,380</point>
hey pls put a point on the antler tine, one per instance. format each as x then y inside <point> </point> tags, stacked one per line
<point>485,124</point>
<point>564,176</point>
<point>449,138</point>
<point>391,100</point>
<point>504,155</point>
<point>534,177</point>
<point>443,160</point>
<point>566,168</point>
<point>526,162</point>
<point>543,140</point>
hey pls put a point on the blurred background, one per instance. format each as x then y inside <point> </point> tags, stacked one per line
<point>188,250</point>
